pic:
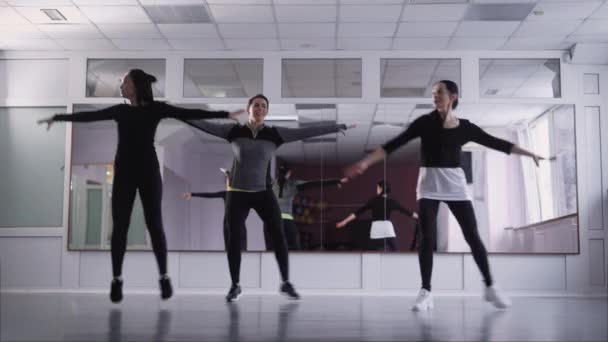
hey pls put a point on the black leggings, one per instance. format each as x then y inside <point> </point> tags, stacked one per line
<point>227,234</point>
<point>126,182</point>
<point>238,204</point>
<point>465,215</point>
<point>292,236</point>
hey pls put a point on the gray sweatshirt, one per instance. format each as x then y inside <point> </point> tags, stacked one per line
<point>253,151</point>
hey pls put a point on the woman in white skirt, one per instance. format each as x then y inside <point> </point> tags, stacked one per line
<point>441,179</point>
<point>381,206</point>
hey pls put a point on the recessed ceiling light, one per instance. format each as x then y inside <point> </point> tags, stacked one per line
<point>498,12</point>
<point>312,106</point>
<point>178,14</point>
<point>53,14</point>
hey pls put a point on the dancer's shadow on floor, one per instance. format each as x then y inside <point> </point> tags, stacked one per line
<point>284,318</point>
<point>425,321</point>
<point>115,323</point>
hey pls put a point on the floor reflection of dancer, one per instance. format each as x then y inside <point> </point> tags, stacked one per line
<point>381,207</point>
<point>222,195</point>
<point>285,189</point>
<point>441,179</point>
<point>254,145</point>
<point>136,167</point>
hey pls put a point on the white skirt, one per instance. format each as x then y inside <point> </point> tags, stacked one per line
<point>442,183</point>
<point>382,230</point>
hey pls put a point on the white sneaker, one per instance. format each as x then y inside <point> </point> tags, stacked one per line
<point>424,301</point>
<point>494,295</point>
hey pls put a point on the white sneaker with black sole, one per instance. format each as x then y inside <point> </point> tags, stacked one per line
<point>494,295</point>
<point>424,301</point>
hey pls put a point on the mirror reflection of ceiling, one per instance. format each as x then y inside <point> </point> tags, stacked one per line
<point>375,124</point>
<point>225,78</point>
<point>522,78</point>
<point>321,78</point>
<point>415,77</point>
<point>105,75</point>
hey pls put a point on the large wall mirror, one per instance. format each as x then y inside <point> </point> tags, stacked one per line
<point>520,208</point>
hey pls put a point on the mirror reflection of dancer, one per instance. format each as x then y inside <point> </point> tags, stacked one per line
<point>136,167</point>
<point>441,179</point>
<point>381,207</point>
<point>285,189</point>
<point>222,195</point>
<point>254,145</point>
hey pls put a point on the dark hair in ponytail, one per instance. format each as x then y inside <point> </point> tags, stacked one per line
<point>143,86</point>
<point>452,88</point>
<point>386,189</point>
<point>282,178</point>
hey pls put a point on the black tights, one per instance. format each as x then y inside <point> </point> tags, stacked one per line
<point>465,215</point>
<point>126,182</point>
<point>238,204</point>
<point>292,236</point>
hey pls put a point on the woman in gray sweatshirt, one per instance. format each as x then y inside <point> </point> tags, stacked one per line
<point>254,145</point>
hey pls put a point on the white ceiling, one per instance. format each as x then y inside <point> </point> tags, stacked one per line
<point>298,25</point>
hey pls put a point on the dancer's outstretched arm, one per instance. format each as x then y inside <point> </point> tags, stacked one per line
<point>481,137</point>
<point>354,215</point>
<point>405,211</point>
<point>518,150</point>
<point>303,185</point>
<point>90,116</point>
<point>170,111</point>
<point>218,130</point>
<point>218,194</point>
<point>294,134</point>
<point>413,131</point>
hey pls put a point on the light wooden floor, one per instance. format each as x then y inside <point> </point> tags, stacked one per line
<point>143,317</point>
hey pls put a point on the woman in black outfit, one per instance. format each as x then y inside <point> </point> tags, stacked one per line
<point>221,194</point>
<point>381,207</point>
<point>136,167</point>
<point>441,179</point>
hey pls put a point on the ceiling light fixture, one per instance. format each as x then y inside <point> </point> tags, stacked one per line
<point>53,14</point>
<point>282,118</point>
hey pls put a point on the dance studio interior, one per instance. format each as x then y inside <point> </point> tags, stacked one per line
<point>525,77</point>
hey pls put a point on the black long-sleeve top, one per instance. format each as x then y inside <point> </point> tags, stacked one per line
<point>137,126</point>
<point>441,147</point>
<point>381,207</point>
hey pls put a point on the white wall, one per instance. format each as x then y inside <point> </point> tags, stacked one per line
<point>51,266</point>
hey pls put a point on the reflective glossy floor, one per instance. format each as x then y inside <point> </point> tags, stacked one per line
<point>143,317</point>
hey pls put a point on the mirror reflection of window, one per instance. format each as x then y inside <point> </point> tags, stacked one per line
<point>521,207</point>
